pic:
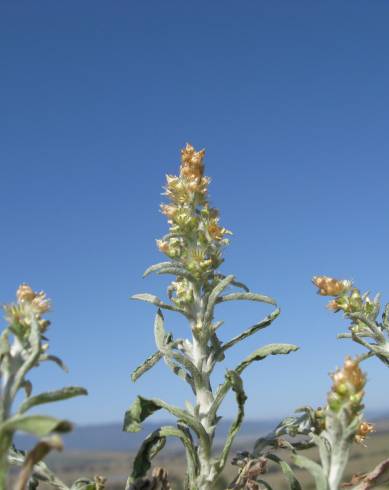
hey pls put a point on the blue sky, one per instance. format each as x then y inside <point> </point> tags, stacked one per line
<point>290,100</point>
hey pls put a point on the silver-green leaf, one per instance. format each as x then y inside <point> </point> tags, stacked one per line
<point>263,352</point>
<point>38,425</point>
<point>51,396</point>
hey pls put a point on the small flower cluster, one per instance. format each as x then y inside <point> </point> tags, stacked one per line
<point>364,429</point>
<point>347,394</point>
<point>30,304</point>
<point>347,299</point>
<point>195,239</point>
<point>319,420</point>
<point>328,286</point>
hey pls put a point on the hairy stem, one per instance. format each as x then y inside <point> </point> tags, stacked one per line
<point>204,395</point>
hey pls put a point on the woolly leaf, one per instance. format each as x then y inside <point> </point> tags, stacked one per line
<point>59,362</point>
<point>165,345</point>
<point>52,396</point>
<point>220,287</point>
<point>176,369</point>
<point>324,448</point>
<point>315,470</point>
<point>151,298</point>
<point>236,384</point>
<point>138,412</point>
<point>38,425</point>
<point>234,283</point>
<point>143,408</point>
<point>158,267</point>
<point>146,365</point>
<point>246,297</point>
<point>252,330</point>
<point>159,330</point>
<point>151,446</point>
<point>263,352</point>
<point>287,471</point>
<point>186,363</point>
<point>179,272</point>
<point>169,268</point>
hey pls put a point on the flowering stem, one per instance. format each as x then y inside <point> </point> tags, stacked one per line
<point>338,464</point>
<point>194,246</point>
<point>204,398</point>
<point>202,388</point>
<point>21,350</point>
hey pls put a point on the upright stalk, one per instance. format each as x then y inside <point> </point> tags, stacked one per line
<point>204,400</point>
<point>23,347</point>
<point>194,247</point>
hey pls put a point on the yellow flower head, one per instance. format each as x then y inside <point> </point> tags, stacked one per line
<point>347,387</point>
<point>328,286</point>
<point>30,304</point>
<point>195,237</point>
<point>192,166</point>
<point>38,301</point>
<point>163,246</point>
<point>168,210</point>
<point>25,293</point>
<point>216,231</point>
<point>364,429</point>
<point>41,304</point>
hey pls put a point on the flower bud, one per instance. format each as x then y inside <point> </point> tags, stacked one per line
<point>333,305</point>
<point>347,388</point>
<point>162,246</point>
<point>364,429</point>
<point>192,166</point>
<point>329,286</point>
<point>356,398</point>
<point>187,153</point>
<point>334,401</point>
<point>184,218</point>
<point>168,210</point>
<point>25,293</point>
<point>215,231</point>
<point>171,179</point>
<point>40,303</point>
<point>342,389</point>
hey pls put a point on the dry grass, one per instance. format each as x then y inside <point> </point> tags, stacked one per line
<point>115,466</point>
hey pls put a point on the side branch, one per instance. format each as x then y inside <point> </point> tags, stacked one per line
<point>251,330</point>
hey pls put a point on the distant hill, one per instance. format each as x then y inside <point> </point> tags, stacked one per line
<point>110,437</point>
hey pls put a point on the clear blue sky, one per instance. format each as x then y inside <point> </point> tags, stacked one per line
<point>291,101</point>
